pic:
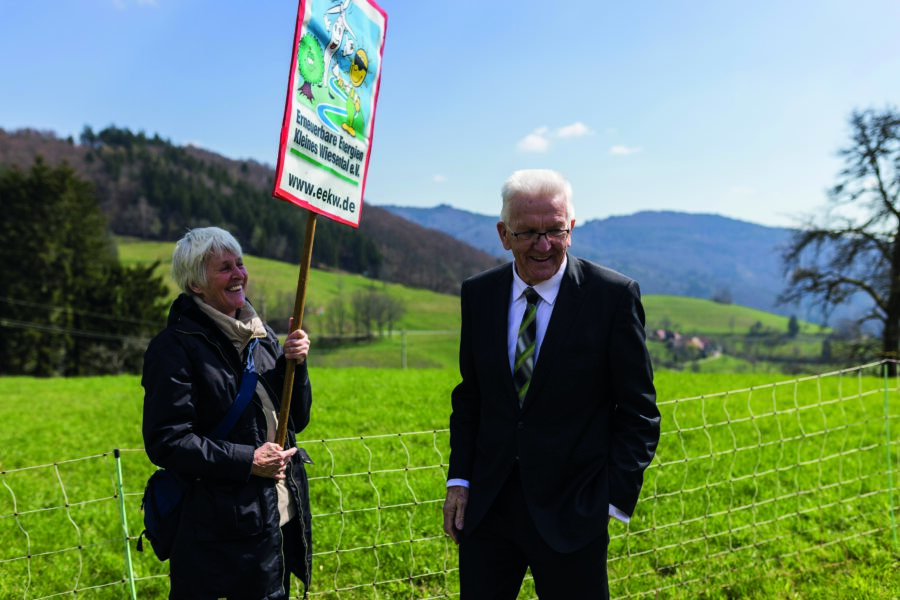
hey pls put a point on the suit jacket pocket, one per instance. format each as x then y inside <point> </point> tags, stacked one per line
<point>590,489</point>
<point>222,511</point>
<point>589,461</point>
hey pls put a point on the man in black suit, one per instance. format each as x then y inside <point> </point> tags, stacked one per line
<point>555,418</point>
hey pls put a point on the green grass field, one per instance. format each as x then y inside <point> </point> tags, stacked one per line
<point>766,492</point>
<point>429,311</point>
<point>432,320</point>
<point>273,285</point>
<point>698,316</point>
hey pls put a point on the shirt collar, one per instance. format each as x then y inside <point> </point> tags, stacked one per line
<point>547,290</point>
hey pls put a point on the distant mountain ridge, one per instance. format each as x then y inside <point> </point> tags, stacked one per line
<point>685,254</point>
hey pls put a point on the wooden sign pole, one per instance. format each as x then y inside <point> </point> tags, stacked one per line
<point>296,323</point>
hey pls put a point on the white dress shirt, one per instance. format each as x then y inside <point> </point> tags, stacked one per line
<point>547,290</point>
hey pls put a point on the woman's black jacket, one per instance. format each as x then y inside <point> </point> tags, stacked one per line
<point>229,542</point>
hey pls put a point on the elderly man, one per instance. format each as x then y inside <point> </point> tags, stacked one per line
<point>555,418</point>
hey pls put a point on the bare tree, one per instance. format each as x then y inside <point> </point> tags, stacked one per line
<point>375,311</point>
<point>378,309</point>
<point>855,246</point>
<point>336,313</point>
<point>395,311</point>
<point>362,313</point>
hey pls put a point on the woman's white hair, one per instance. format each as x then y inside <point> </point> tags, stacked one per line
<point>536,182</point>
<point>193,251</point>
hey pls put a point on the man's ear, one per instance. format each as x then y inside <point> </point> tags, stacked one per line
<point>503,232</point>
<point>196,289</point>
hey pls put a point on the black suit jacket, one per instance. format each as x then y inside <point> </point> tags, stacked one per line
<point>589,425</point>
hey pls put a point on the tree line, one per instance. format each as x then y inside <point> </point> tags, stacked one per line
<point>67,306</point>
<point>155,190</point>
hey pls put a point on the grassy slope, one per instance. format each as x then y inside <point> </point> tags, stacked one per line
<point>431,311</point>
<point>277,283</point>
<point>694,315</point>
<point>273,285</point>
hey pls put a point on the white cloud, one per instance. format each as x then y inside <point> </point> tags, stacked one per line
<point>620,150</point>
<point>536,141</point>
<point>439,178</point>
<point>539,139</point>
<point>577,129</point>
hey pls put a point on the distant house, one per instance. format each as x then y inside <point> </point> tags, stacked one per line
<point>700,347</point>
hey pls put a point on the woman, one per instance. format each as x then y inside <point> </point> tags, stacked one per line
<point>245,522</point>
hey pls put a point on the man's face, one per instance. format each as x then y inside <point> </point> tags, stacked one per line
<point>536,260</point>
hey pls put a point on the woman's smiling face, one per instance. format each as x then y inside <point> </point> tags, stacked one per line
<point>226,281</point>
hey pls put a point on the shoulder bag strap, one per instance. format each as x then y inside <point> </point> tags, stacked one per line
<point>248,386</point>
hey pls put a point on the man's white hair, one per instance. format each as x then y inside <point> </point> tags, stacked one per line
<point>536,182</point>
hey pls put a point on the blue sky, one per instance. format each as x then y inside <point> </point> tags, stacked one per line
<point>729,107</point>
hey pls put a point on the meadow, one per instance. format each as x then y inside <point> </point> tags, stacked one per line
<point>272,289</point>
<point>776,489</point>
<point>779,488</point>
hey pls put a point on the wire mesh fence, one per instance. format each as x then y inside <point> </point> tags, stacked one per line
<point>747,484</point>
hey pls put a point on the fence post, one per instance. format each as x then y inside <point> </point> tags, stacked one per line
<point>890,469</point>
<point>402,348</point>
<point>129,567</point>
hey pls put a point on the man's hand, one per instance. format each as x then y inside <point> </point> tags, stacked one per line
<point>455,510</point>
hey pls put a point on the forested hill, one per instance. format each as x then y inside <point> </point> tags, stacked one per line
<point>151,189</point>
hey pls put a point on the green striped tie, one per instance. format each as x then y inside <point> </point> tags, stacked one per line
<point>525,345</point>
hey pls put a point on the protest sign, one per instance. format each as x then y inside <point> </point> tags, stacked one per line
<point>326,134</point>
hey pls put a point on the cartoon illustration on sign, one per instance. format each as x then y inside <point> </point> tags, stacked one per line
<point>310,64</point>
<point>330,57</point>
<point>358,70</point>
<point>338,28</point>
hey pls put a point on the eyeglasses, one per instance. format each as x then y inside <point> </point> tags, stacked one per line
<point>535,236</point>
